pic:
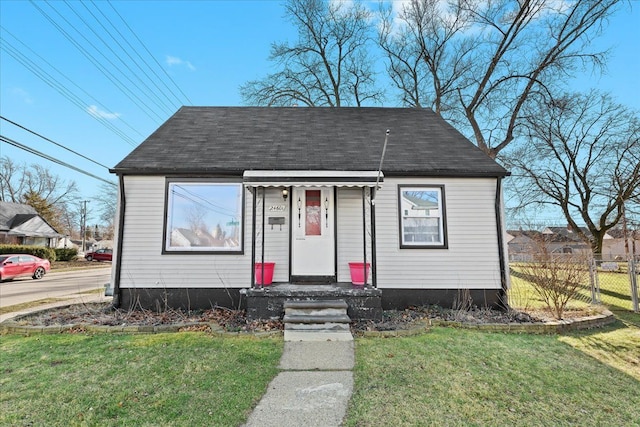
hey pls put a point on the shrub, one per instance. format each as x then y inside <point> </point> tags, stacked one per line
<point>39,251</point>
<point>556,278</point>
<point>66,254</point>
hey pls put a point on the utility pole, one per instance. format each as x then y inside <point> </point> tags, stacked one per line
<point>83,217</point>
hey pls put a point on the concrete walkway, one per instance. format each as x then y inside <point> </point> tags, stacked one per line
<point>315,384</point>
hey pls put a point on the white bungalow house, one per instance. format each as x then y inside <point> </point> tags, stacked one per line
<point>301,188</point>
<point>21,225</point>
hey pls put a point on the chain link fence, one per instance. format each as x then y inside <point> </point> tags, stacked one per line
<point>611,282</point>
<point>614,283</point>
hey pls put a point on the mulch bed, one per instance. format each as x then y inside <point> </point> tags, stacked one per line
<point>104,315</point>
<point>404,319</point>
<point>236,321</point>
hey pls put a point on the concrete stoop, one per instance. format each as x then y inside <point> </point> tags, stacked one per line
<point>268,302</point>
<point>316,320</point>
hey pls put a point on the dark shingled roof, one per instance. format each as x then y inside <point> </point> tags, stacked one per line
<point>9,211</point>
<point>230,140</point>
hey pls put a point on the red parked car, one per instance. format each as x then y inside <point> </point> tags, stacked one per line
<point>100,255</point>
<point>16,265</point>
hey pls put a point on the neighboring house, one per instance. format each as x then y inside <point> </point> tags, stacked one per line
<point>614,247</point>
<point>66,242</point>
<point>185,238</point>
<point>300,187</point>
<point>103,244</point>
<point>563,240</point>
<point>523,244</point>
<point>21,225</point>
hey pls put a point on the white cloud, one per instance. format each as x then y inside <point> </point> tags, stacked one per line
<point>26,98</point>
<point>98,113</point>
<point>174,60</point>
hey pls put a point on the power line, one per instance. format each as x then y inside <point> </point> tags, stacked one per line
<point>148,92</point>
<point>133,61</point>
<point>109,75</point>
<point>212,206</point>
<point>51,141</point>
<point>52,159</point>
<point>151,88</point>
<point>62,88</point>
<point>147,50</point>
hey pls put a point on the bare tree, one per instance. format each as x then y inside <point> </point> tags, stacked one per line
<point>195,217</point>
<point>107,203</point>
<point>53,197</point>
<point>13,180</point>
<point>427,53</point>
<point>479,63</point>
<point>583,157</point>
<point>329,65</point>
<point>19,179</point>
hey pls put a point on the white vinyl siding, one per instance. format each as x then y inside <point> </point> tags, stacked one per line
<point>470,261</point>
<point>144,265</point>
<point>472,257</point>
<point>350,219</point>
<point>276,237</point>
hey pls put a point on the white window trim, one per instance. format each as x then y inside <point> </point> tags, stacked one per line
<point>169,215</point>
<point>442,243</point>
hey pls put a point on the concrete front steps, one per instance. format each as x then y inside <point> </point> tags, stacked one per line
<point>316,320</point>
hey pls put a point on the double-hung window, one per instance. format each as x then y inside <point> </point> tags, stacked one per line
<point>204,217</point>
<point>422,216</point>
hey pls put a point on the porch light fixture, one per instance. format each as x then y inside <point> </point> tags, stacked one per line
<point>326,211</point>
<point>285,194</point>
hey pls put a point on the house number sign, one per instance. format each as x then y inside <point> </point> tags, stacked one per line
<point>277,208</point>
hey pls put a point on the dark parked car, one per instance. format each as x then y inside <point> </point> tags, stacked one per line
<point>100,255</point>
<point>16,265</point>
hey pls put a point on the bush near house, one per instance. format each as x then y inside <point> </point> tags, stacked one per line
<point>39,251</point>
<point>66,254</point>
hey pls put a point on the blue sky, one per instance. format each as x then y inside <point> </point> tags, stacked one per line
<point>207,48</point>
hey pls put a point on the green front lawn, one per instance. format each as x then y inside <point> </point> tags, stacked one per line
<point>452,377</point>
<point>448,377</point>
<point>181,379</point>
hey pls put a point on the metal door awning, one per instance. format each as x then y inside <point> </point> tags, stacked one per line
<point>296,178</point>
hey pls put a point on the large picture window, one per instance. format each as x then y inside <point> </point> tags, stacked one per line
<point>205,217</point>
<point>422,217</point>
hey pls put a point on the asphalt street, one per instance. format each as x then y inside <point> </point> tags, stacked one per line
<point>59,285</point>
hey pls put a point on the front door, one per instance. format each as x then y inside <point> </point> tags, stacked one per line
<point>313,244</point>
